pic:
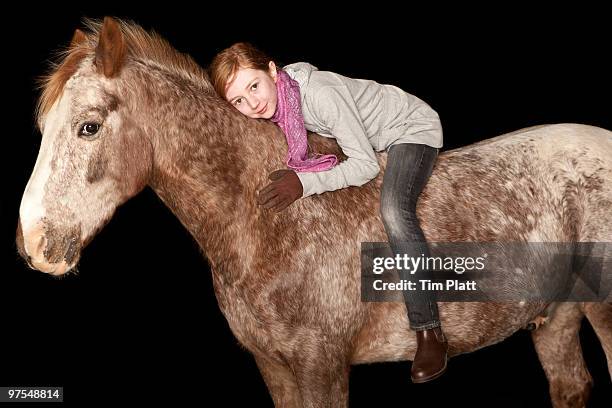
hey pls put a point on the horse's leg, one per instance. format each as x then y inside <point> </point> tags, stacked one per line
<point>323,385</point>
<point>558,346</point>
<point>281,383</point>
<point>322,374</point>
<point>600,317</point>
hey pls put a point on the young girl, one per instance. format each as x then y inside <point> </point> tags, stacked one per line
<point>364,117</point>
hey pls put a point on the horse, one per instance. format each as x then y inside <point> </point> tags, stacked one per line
<point>123,110</point>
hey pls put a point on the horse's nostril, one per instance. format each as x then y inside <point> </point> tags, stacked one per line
<point>42,241</point>
<point>71,251</point>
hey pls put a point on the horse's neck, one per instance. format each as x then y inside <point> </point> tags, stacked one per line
<point>209,161</point>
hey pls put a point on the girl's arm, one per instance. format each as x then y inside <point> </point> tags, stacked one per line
<point>336,109</point>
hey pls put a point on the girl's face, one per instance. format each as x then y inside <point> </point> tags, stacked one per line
<point>253,92</point>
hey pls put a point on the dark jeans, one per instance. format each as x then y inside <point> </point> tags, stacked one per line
<point>408,169</point>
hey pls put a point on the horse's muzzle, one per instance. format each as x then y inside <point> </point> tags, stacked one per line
<point>45,250</point>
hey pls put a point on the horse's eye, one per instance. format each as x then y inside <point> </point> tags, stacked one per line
<point>89,129</point>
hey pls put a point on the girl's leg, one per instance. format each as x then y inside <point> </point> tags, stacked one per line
<point>408,169</point>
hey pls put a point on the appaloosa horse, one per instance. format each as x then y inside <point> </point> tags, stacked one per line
<point>124,110</point>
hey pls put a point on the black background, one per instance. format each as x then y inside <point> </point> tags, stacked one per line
<point>140,320</point>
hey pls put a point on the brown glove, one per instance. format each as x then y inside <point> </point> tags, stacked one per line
<point>284,189</point>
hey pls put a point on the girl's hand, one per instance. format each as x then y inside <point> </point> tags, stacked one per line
<point>284,190</point>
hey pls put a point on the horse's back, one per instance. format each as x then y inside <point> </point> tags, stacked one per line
<point>545,183</point>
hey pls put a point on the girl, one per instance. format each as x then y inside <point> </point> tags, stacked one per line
<point>363,116</point>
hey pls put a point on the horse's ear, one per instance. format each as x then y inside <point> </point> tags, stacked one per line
<point>78,38</point>
<point>110,51</point>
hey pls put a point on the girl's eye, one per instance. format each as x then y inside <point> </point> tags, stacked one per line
<point>254,87</point>
<point>237,101</point>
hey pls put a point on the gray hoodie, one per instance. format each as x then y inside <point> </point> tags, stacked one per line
<point>363,116</point>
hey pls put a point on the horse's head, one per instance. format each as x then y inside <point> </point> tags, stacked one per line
<point>92,156</point>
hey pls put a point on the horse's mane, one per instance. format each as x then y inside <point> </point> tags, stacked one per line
<point>140,45</point>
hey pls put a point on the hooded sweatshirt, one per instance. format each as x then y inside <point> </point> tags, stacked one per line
<point>363,116</point>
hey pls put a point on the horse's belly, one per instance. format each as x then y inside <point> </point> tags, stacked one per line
<point>468,326</point>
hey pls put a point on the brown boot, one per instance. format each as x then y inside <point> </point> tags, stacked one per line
<point>430,359</point>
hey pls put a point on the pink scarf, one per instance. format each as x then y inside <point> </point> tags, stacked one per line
<point>289,118</point>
